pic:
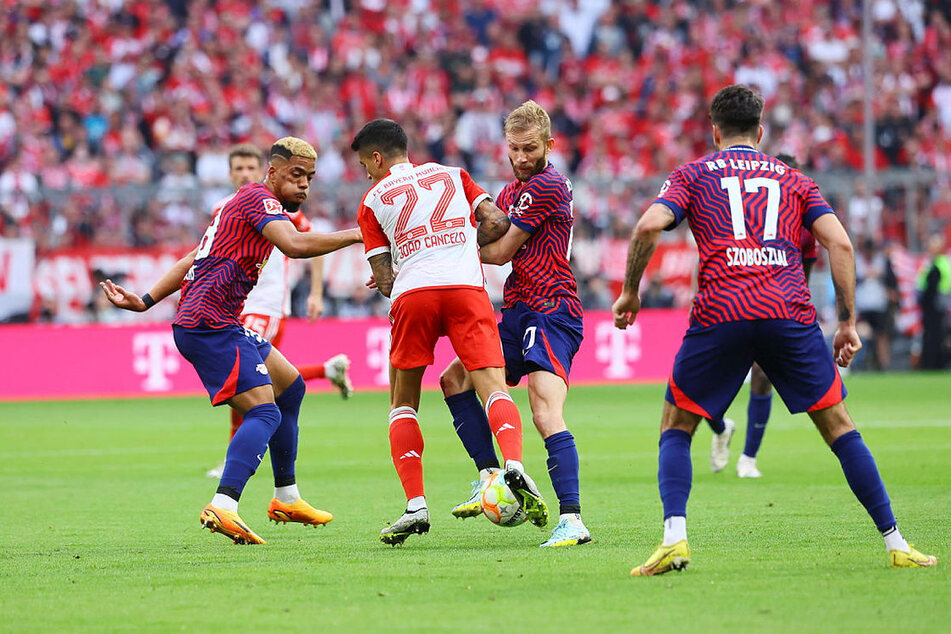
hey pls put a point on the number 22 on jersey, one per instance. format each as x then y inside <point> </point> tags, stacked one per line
<point>436,222</point>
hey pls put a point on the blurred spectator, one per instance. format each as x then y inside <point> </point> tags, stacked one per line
<point>655,295</point>
<point>872,301</point>
<point>934,291</point>
<point>864,213</point>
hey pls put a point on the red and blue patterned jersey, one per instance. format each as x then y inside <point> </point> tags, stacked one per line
<point>747,211</point>
<point>229,260</point>
<point>541,276</point>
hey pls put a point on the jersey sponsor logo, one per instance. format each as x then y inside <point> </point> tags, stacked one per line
<point>273,207</point>
<point>763,256</point>
<point>524,202</point>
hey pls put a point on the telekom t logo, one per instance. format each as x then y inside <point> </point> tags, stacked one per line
<point>154,355</point>
<point>378,354</point>
<point>618,349</point>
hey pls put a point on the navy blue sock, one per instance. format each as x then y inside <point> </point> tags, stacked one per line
<point>283,444</point>
<point>247,448</point>
<point>716,425</point>
<point>862,475</point>
<point>674,472</point>
<point>472,427</point>
<point>757,415</point>
<point>563,471</point>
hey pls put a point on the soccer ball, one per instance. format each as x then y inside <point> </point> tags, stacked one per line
<point>499,504</point>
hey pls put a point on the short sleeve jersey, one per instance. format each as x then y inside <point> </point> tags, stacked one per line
<point>747,212</point>
<point>229,260</point>
<point>541,275</point>
<point>424,216</point>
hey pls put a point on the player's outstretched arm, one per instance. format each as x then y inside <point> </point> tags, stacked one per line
<point>383,276</point>
<point>170,282</point>
<point>295,244</point>
<point>493,223</point>
<point>832,235</point>
<point>644,241</point>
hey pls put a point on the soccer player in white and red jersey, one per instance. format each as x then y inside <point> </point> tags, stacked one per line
<point>236,366</point>
<point>269,302</point>
<point>430,220</point>
<point>747,211</point>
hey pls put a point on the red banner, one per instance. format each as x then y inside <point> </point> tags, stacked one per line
<point>141,359</point>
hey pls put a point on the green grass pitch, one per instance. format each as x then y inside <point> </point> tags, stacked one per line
<point>100,500</point>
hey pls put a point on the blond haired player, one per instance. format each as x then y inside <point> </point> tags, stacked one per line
<point>269,302</point>
<point>429,220</point>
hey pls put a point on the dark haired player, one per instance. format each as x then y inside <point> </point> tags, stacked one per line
<point>746,211</point>
<point>237,366</point>
<point>429,220</point>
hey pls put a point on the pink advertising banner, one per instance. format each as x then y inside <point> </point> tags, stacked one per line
<point>101,361</point>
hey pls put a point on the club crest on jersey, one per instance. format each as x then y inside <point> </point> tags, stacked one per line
<point>273,207</point>
<point>520,207</point>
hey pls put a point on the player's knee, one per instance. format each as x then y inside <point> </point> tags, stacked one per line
<point>548,421</point>
<point>452,380</point>
<point>293,395</point>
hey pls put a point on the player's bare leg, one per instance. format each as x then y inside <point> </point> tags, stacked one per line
<point>547,393</point>
<point>472,426</point>
<point>861,472</point>
<point>406,449</point>
<point>674,478</point>
<point>761,398</point>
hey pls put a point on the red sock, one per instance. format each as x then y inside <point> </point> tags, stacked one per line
<point>406,447</point>
<point>311,371</point>
<point>236,420</point>
<point>506,424</point>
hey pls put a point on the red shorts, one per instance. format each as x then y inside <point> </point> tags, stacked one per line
<point>463,314</point>
<point>271,328</point>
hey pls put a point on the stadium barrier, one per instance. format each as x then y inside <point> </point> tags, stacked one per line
<point>135,360</point>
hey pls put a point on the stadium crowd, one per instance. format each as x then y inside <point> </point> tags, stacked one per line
<point>116,117</point>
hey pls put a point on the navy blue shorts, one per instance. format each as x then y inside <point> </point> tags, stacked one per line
<point>713,362</point>
<point>534,341</point>
<point>228,360</point>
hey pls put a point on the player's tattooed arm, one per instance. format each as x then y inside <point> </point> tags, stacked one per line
<point>170,282</point>
<point>295,244</point>
<point>383,276</point>
<point>644,241</point>
<point>492,221</point>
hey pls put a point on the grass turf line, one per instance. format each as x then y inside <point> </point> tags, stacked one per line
<point>100,531</point>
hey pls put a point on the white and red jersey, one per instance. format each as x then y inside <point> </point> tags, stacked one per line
<point>271,295</point>
<point>424,216</point>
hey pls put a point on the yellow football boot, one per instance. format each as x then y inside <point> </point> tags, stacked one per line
<point>228,524</point>
<point>300,511</point>
<point>665,559</point>
<point>911,559</point>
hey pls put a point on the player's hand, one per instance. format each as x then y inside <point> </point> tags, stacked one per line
<point>625,310</point>
<point>371,283</point>
<point>315,306</point>
<point>846,344</point>
<point>121,297</point>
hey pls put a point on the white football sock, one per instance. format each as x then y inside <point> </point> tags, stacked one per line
<point>515,464</point>
<point>416,503</point>
<point>675,529</point>
<point>224,502</point>
<point>894,540</point>
<point>288,494</point>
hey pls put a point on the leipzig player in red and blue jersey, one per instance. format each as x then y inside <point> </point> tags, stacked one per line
<point>541,325</point>
<point>746,211</point>
<point>236,365</point>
